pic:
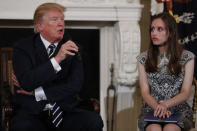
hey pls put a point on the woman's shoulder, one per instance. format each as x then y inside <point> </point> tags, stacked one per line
<point>142,57</point>
<point>187,56</point>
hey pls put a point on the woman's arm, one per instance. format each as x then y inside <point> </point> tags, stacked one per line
<point>145,91</point>
<point>159,109</point>
<point>186,86</point>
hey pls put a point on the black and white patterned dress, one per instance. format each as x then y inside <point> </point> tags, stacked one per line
<point>164,86</point>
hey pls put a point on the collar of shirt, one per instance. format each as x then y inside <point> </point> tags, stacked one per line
<point>47,43</point>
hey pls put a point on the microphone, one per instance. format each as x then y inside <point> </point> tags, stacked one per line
<point>77,55</point>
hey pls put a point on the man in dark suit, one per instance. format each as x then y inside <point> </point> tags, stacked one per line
<point>49,77</point>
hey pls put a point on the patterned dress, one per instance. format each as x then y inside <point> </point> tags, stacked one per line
<point>164,86</point>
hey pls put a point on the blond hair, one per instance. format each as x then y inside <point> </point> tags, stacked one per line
<point>43,9</point>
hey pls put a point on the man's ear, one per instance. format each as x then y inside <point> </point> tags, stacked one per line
<point>39,26</point>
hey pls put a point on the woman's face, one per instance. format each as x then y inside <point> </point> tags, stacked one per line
<point>159,33</point>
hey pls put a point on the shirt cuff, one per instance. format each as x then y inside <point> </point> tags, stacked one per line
<point>56,66</point>
<point>39,94</point>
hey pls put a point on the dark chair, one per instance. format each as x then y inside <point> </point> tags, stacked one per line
<point>5,86</point>
<point>194,106</point>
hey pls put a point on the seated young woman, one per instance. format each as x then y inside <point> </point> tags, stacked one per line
<point>165,77</point>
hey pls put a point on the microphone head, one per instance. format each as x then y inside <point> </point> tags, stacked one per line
<point>77,55</point>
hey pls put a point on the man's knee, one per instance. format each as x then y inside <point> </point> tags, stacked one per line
<point>22,126</point>
<point>99,122</point>
<point>96,122</point>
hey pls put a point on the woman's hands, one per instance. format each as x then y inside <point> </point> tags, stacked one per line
<point>162,111</point>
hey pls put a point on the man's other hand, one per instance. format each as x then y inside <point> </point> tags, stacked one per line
<point>20,90</point>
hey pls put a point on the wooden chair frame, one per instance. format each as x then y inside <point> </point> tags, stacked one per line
<point>5,69</point>
<point>194,106</point>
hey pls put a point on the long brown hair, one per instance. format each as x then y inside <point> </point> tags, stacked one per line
<point>174,49</point>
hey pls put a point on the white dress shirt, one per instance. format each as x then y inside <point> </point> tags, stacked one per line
<point>39,92</point>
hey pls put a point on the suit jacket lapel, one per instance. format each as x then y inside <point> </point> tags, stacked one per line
<point>58,47</point>
<point>41,52</point>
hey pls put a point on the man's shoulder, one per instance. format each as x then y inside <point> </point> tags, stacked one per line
<point>26,42</point>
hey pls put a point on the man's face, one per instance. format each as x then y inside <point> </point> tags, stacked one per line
<point>51,26</point>
<point>159,33</point>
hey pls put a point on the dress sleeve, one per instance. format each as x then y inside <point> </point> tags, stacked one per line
<point>187,56</point>
<point>142,58</point>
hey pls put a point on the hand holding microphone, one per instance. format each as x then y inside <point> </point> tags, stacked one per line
<point>77,54</point>
<point>68,48</point>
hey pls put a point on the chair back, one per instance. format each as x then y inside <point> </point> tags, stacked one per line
<point>194,106</point>
<point>5,87</point>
